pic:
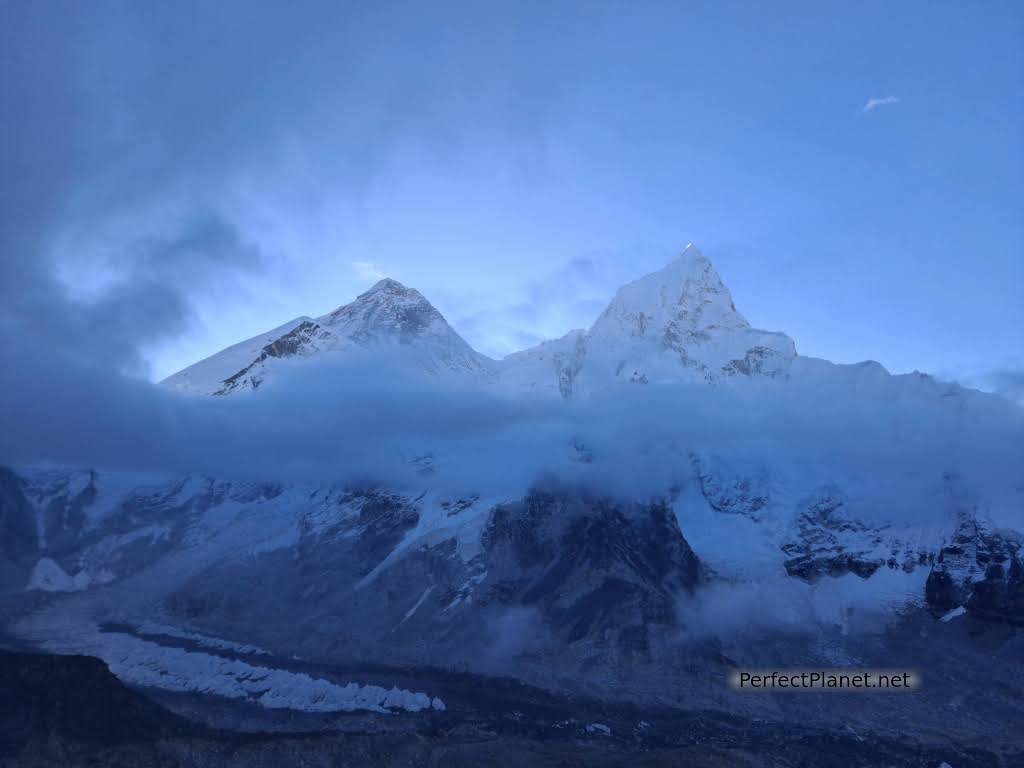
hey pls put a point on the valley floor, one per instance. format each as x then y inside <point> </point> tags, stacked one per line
<point>70,711</point>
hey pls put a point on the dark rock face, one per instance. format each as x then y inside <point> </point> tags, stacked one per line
<point>754,362</point>
<point>820,549</point>
<point>75,698</point>
<point>980,570</point>
<point>830,542</point>
<point>62,505</point>
<point>18,537</point>
<point>597,571</point>
<point>597,576</point>
<point>295,342</point>
<point>370,522</point>
<point>732,493</point>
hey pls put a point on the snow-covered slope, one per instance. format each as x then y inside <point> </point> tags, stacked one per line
<point>564,582</point>
<point>208,376</point>
<point>676,324</point>
<point>191,583</point>
<point>679,323</point>
<point>386,318</point>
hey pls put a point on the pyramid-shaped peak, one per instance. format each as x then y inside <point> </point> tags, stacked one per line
<point>388,285</point>
<point>689,264</point>
<point>390,293</point>
<point>387,308</point>
<point>689,278</point>
<point>692,255</point>
<point>686,290</point>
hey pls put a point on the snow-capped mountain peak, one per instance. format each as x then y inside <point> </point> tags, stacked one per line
<point>687,295</point>
<point>387,308</point>
<point>678,323</point>
<point>387,291</point>
<point>388,315</point>
<point>389,285</point>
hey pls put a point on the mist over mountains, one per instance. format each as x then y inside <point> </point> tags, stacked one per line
<point>348,512</point>
<point>542,499</point>
<point>378,389</point>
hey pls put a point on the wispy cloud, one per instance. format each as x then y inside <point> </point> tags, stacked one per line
<point>874,103</point>
<point>367,270</point>
<point>1005,378</point>
<point>1009,383</point>
<point>640,438</point>
<point>569,297</point>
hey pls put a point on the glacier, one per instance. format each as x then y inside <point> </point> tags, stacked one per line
<point>623,513</point>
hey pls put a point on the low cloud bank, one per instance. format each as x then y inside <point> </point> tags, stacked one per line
<point>374,421</point>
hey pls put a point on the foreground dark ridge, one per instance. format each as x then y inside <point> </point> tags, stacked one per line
<point>71,711</point>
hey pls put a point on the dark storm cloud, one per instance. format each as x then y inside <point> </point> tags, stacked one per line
<point>150,298</point>
<point>81,144</point>
<point>127,127</point>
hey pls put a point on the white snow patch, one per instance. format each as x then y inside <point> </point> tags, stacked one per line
<point>958,611</point>
<point>435,525</point>
<point>48,576</point>
<point>208,375</point>
<point>78,482</point>
<point>411,611</point>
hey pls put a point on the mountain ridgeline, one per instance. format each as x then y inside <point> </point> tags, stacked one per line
<point>761,547</point>
<point>676,324</point>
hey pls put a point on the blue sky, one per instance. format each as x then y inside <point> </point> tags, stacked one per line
<point>202,173</point>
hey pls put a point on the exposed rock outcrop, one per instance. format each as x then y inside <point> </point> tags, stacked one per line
<point>832,542</point>
<point>599,571</point>
<point>981,570</point>
<point>18,536</point>
<point>48,698</point>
